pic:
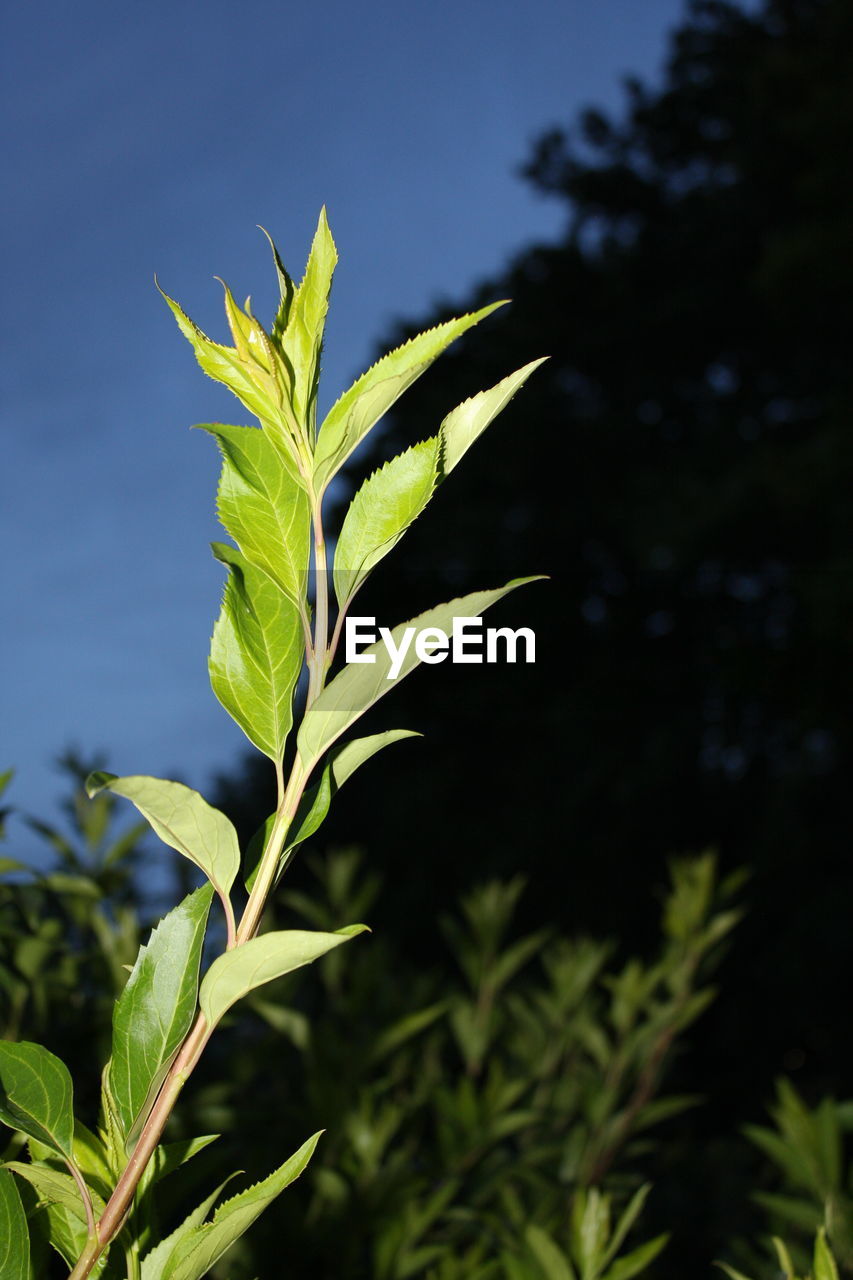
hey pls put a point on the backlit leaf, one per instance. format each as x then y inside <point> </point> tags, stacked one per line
<point>286,290</point>
<point>302,340</point>
<point>824,1265</point>
<point>263,507</point>
<point>256,653</point>
<point>156,1265</point>
<point>373,394</point>
<point>381,512</point>
<point>236,973</point>
<point>465,423</point>
<point>183,820</point>
<point>315,803</point>
<point>392,498</point>
<point>156,1009</point>
<point>200,1249</point>
<point>224,365</point>
<point>360,685</point>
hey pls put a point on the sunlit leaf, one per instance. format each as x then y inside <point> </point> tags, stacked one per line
<point>361,684</point>
<point>381,512</point>
<point>225,365</point>
<point>256,653</point>
<point>465,423</point>
<point>373,394</point>
<point>262,505</point>
<point>155,1011</point>
<point>183,820</point>
<point>286,289</point>
<point>201,1248</point>
<point>236,973</point>
<point>156,1263</point>
<point>316,802</point>
<point>302,339</point>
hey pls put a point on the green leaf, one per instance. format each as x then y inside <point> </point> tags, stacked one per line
<point>302,340</point>
<point>361,684</point>
<point>395,495</point>
<point>183,820</point>
<point>381,512</point>
<point>634,1263</point>
<point>90,1157</point>
<point>341,765</point>
<point>551,1259</point>
<point>256,389</point>
<point>731,1272</point>
<point>256,653</point>
<point>155,1011</point>
<point>824,1265</point>
<point>66,1233</point>
<point>786,1266</point>
<point>468,420</point>
<point>36,1095</point>
<point>54,1187</point>
<point>14,1234</point>
<point>316,802</point>
<point>155,1264</point>
<point>172,1155</point>
<point>373,394</point>
<point>263,507</point>
<point>590,1229</point>
<point>629,1216</point>
<point>236,973</point>
<point>286,290</point>
<point>201,1248</point>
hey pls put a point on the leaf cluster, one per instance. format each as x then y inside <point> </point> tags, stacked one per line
<point>472,1104</point>
<point>94,1188</point>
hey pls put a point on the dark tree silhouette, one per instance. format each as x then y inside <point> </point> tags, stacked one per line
<point>682,469</point>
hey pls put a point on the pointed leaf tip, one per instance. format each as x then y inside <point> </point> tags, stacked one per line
<point>97,781</point>
<point>183,820</point>
<point>260,960</point>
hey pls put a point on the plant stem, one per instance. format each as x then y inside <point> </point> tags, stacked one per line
<point>193,1046</point>
<point>319,660</point>
<point>131,1258</point>
<point>122,1198</point>
<point>269,864</point>
<point>102,1234</point>
<point>86,1197</point>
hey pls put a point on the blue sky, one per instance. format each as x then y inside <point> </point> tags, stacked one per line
<point>154,137</point>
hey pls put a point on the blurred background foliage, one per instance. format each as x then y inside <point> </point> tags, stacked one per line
<point>687,488</point>
<point>510,1110</point>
